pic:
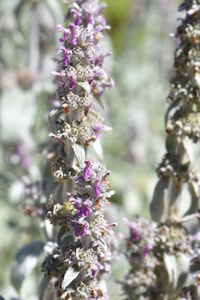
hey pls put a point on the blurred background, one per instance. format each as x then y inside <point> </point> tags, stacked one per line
<point>141,66</point>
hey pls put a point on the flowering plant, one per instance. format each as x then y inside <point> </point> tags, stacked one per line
<point>81,252</point>
<point>164,255</point>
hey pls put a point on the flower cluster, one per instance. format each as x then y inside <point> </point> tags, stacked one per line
<point>163,261</point>
<point>76,205</point>
<point>170,270</point>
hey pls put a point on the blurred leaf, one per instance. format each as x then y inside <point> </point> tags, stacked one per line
<point>1,298</point>
<point>43,286</point>
<point>55,8</point>
<point>17,111</point>
<point>70,275</point>
<point>25,261</point>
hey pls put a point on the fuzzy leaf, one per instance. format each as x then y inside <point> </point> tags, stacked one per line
<point>85,85</point>
<point>79,153</point>
<point>177,268</point>
<point>98,149</point>
<point>195,196</point>
<point>171,268</point>
<point>25,261</point>
<point>183,266</point>
<point>159,206</point>
<point>53,113</point>
<point>43,286</point>
<point>70,275</point>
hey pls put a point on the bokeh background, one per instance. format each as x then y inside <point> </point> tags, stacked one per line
<point>141,66</point>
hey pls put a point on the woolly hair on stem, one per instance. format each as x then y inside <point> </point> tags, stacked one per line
<point>81,254</point>
<point>164,253</point>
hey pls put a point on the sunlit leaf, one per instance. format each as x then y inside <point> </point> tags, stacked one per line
<point>70,275</point>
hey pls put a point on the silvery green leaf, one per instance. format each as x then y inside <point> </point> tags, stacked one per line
<point>183,265</point>
<point>159,206</point>
<point>69,276</point>
<point>25,261</point>
<point>98,148</point>
<point>172,272</point>
<point>79,153</point>
<point>177,268</point>
<point>85,85</point>
<point>48,228</point>
<point>194,190</point>
<point>183,203</point>
<point>53,113</point>
<point>43,286</point>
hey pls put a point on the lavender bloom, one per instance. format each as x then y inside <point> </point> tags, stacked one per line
<point>83,207</point>
<point>87,170</point>
<point>80,228</point>
<point>80,194</point>
<point>97,189</point>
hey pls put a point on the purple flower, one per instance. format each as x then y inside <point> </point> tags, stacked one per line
<point>94,272</point>
<point>24,158</point>
<point>67,56</point>
<point>97,188</point>
<point>80,228</point>
<point>87,170</point>
<point>146,250</point>
<point>61,28</point>
<point>62,81</point>
<point>72,81</point>
<point>134,231</point>
<point>97,128</point>
<point>83,208</point>
<point>90,18</point>
<point>77,16</point>
<point>72,28</point>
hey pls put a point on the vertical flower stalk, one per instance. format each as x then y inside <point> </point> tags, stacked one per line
<point>81,254</point>
<point>164,256</point>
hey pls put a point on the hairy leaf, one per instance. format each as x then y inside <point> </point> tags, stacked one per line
<point>159,206</point>
<point>70,275</point>
<point>79,153</point>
